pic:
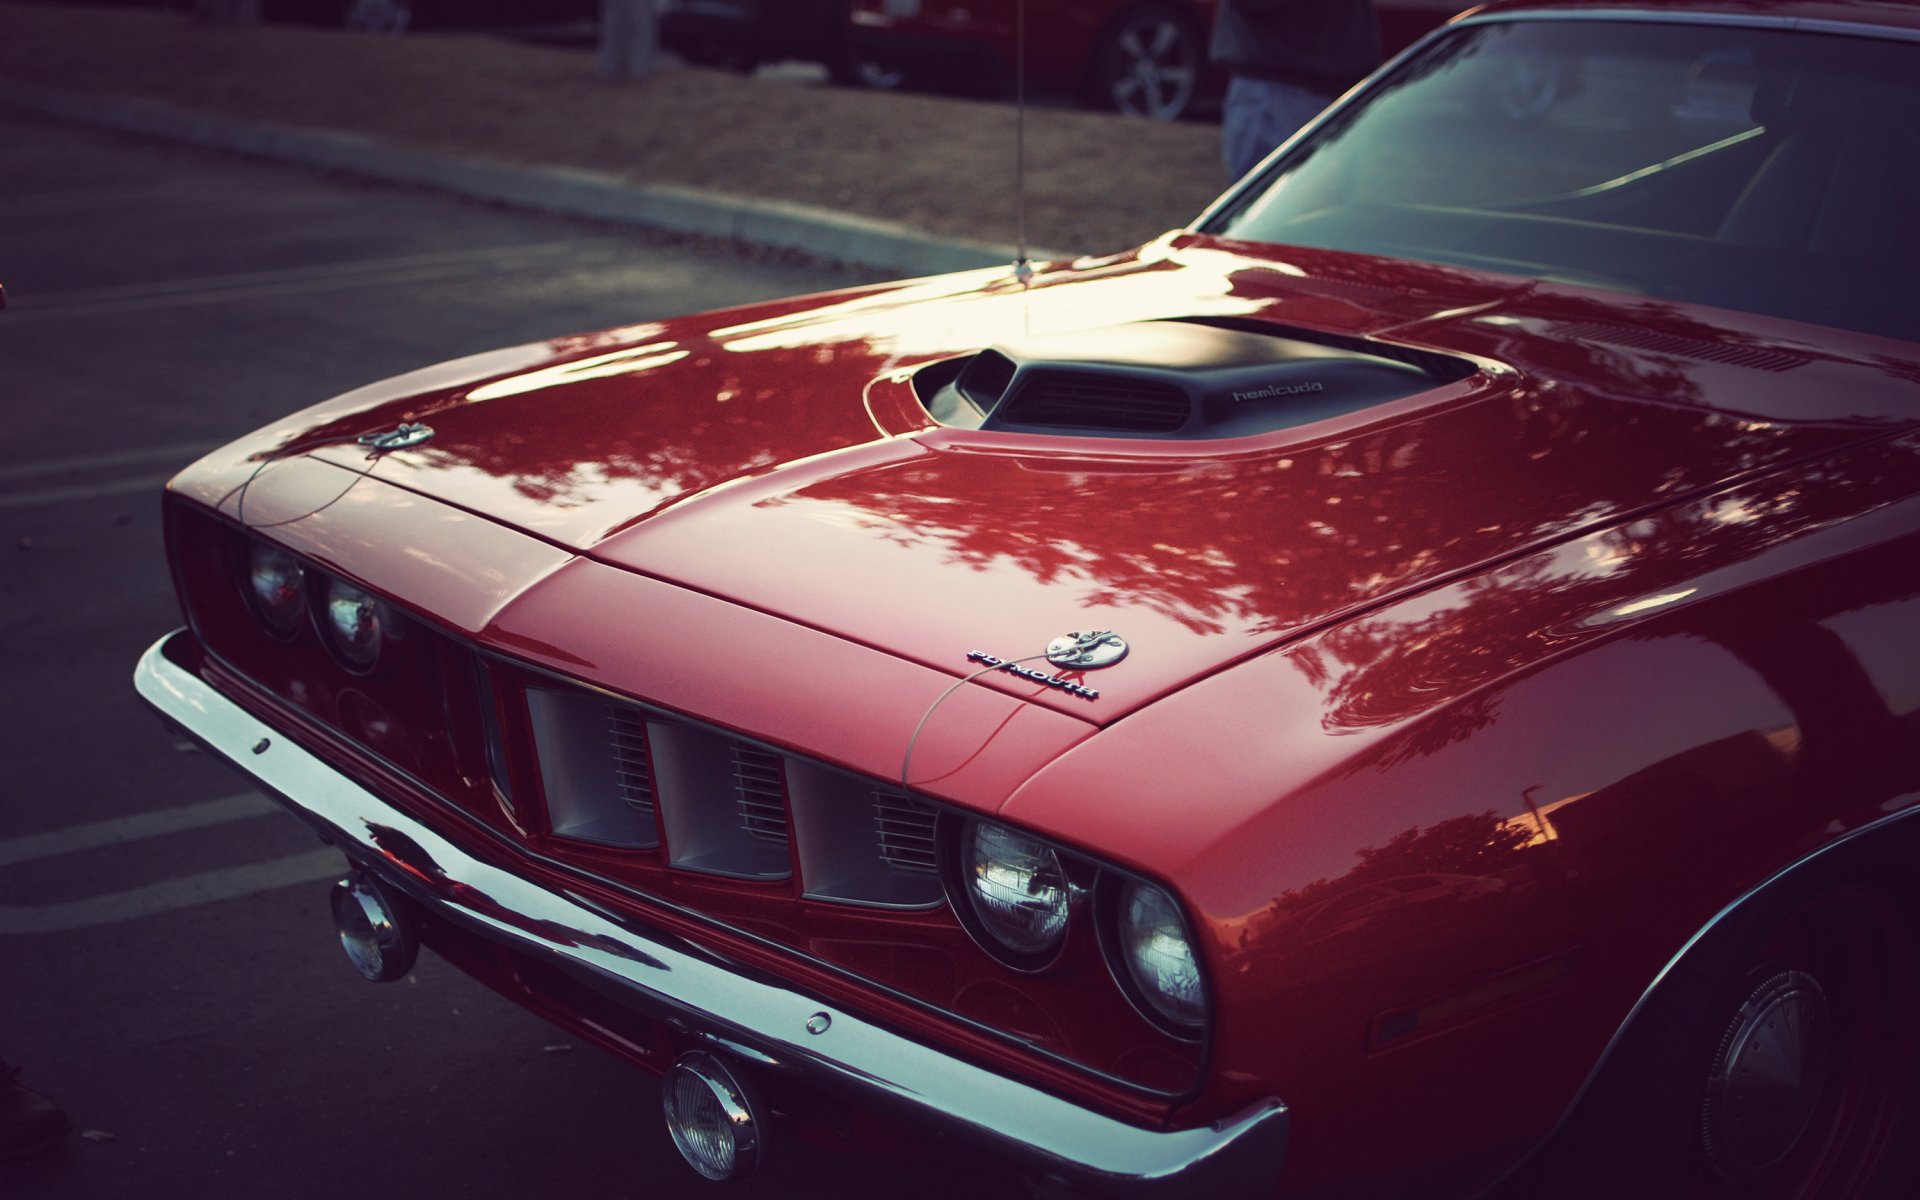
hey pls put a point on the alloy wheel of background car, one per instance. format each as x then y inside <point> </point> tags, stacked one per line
<point>1148,63</point>
<point>1775,1063</point>
<point>377,16</point>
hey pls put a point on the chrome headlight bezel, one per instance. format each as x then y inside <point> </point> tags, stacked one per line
<point>1043,877</point>
<point>281,616</point>
<point>1117,903</point>
<point>358,647</point>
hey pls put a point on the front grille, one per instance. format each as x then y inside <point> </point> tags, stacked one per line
<point>618,775</point>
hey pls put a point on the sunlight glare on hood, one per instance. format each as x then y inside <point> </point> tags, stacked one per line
<point>630,361</point>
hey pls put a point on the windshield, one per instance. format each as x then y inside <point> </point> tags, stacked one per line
<point>1768,171</point>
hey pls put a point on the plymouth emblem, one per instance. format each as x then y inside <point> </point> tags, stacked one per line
<point>1075,652</point>
<point>1015,667</point>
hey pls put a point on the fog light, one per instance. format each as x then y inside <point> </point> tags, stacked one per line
<point>375,933</point>
<point>712,1124</point>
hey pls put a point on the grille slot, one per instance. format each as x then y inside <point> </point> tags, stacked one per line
<point>1083,400</point>
<point>593,795</point>
<point>761,782</point>
<point>860,844</point>
<point>905,832</point>
<point>722,802</point>
<point>633,774</point>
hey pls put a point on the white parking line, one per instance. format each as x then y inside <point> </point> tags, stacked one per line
<point>98,491</point>
<point>139,827</point>
<point>204,888</point>
<point>27,307</point>
<point>179,452</point>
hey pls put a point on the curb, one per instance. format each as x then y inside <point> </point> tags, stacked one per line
<point>823,233</point>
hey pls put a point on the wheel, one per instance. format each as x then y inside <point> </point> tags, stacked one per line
<point>377,16</point>
<point>1775,1063</point>
<point>1148,63</point>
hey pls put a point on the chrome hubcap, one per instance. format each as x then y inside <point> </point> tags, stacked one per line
<point>1767,1077</point>
<point>1155,79</point>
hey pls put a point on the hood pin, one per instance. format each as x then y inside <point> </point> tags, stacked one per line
<point>1087,651</point>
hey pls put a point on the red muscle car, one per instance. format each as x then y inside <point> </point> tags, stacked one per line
<point>1408,683</point>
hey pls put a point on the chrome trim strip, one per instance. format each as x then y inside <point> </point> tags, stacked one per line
<point>1853,29</point>
<point>1655,16</point>
<point>667,978</point>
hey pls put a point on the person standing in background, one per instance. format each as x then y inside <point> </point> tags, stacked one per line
<point>1287,60</point>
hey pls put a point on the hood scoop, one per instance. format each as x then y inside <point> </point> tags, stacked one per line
<point>1177,380</point>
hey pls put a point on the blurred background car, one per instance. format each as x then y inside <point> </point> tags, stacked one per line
<point>398,16</point>
<point>1146,58</point>
<point>1143,57</point>
<point>740,35</point>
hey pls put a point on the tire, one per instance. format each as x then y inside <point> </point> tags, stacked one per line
<point>1775,1063</point>
<point>377,16</point>
<point>1148,63</point>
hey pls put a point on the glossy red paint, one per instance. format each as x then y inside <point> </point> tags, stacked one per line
<point>650,458</point>
<point>1638,712</point>
<point>1452,722</point>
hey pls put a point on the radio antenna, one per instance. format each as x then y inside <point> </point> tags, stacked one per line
<point>1022,269</point>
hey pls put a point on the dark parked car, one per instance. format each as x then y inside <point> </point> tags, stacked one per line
<point>1410,679</point>
<point>1143,57</point>
<point>398,16</point>
<point>742,34</point>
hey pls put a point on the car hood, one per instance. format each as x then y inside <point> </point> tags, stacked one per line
<point>777,457</point>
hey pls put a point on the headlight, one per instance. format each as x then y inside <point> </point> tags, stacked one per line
<point>1017,891</point>
<point>1157,955</point>
<point>277,588</point>
<point>354,623</point>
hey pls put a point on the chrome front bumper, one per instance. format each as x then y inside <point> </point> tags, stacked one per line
<point>764,1022</point>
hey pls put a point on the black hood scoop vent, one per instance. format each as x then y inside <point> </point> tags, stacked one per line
<point>1174,380</point>
<point>1053,398</point>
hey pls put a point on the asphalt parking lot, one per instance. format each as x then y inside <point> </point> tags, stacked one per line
<point>170,973</point>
